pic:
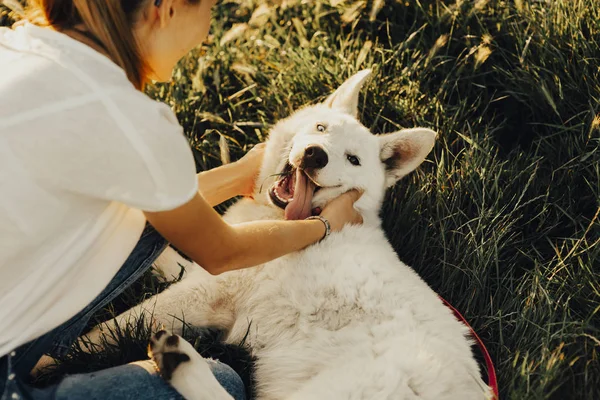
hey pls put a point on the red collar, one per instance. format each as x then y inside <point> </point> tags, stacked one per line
<point>491,372</point>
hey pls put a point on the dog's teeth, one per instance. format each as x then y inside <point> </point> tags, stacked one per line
<point>279,197</point>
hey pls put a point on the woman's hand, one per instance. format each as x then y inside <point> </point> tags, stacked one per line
<point>340,211</point>
<point>249,168</point>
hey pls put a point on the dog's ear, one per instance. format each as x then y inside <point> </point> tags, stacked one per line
<point>405,150</point>
<point>345,98</point>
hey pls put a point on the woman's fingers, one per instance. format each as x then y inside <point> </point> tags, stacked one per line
<point>340,211</point>
<point>354,195</point>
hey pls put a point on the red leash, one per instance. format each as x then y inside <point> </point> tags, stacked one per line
<point>491,372</point>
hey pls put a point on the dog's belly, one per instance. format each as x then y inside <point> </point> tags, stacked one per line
<point>294,342</point>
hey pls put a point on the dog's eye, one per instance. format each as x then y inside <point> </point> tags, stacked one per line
<point>321,127</point>
<point>353,160</point>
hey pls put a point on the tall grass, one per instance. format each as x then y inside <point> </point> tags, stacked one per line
<point>503,219</point>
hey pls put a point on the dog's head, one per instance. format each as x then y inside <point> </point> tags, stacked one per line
<point>322,151</point>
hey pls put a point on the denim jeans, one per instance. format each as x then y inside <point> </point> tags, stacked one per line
<point>131,381</point>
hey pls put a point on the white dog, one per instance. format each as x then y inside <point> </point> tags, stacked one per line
<point>342,319</point>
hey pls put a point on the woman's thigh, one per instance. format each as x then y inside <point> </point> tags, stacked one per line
<point>127,382</point>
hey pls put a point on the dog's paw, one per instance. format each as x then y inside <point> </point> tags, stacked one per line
<point>180,365</point>
<point>168,352</point>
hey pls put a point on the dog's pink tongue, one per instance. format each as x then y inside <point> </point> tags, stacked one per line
<point>300,206</point>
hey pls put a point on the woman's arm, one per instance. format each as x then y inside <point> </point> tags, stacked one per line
<point>237,179</point>
<point>219,184</point>
<point>199,231</point>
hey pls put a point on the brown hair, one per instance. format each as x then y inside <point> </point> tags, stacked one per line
<point>109,21</point>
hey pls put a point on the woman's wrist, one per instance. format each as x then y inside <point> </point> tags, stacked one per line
<point>237,178</point>
<point>325,223</point>
<point>319,229</point>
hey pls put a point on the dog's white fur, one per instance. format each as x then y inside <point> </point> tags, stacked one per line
<point>342,319</point>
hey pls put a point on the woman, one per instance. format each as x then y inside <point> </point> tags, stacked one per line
<point>85,160</point>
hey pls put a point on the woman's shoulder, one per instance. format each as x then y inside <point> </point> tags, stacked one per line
<point>74,64</point>
<point>43,69</point>
<point>67,112</point>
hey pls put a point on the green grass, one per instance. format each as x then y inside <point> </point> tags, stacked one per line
<point>503,219</point>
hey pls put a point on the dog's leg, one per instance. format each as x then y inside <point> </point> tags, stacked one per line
<point>388,376</point>
<point>181,366</point>
<point>171,266</point>
<point>198,301</point>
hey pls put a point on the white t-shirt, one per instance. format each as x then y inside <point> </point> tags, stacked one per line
<point>81,153</point>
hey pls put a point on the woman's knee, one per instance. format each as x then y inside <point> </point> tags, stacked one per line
<point>228,378</point>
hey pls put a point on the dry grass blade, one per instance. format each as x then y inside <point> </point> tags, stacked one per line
<point>234,33</point>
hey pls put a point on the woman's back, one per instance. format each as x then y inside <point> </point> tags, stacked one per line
<point>77,137</point>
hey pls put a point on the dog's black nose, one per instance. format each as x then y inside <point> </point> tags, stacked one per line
<point>314,157</point>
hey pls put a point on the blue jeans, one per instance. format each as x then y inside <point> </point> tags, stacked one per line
<point>131,381</point>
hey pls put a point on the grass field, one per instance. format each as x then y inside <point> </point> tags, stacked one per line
<point>503,219</point>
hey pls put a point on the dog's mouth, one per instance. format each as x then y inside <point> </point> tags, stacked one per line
<point>294,192</point>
